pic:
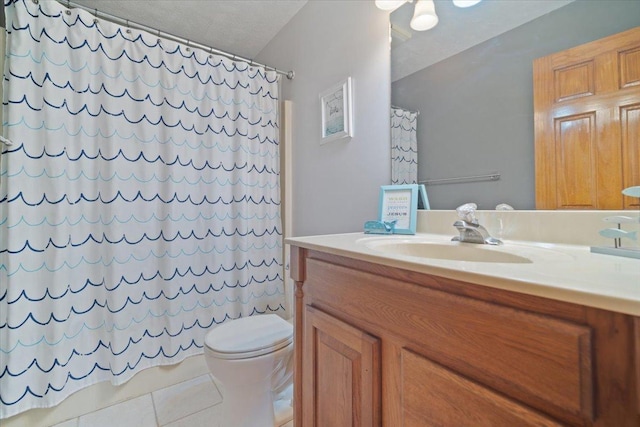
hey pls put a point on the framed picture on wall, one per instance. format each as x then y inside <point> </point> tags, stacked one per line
<point>336,109</point>
<point>400,202</point>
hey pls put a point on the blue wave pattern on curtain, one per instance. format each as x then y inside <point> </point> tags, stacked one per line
<point>404,147</point>
<point>140,202</point>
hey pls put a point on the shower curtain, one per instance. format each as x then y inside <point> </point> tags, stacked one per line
<point>139,202</point>
<point>404,147</point>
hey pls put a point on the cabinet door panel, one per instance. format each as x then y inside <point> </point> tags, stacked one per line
<point>342,371</point>
<point>436,396</point>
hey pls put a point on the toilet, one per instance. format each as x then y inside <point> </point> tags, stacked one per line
<point>252,357</point>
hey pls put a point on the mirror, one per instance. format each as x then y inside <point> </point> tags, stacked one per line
<point>476,107</point>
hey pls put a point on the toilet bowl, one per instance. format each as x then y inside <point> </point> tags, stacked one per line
<point>252,357</point>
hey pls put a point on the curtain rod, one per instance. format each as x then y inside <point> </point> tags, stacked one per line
<point>130,24</point>
<point>401,108</point>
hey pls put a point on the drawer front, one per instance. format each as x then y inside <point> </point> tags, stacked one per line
<point>539,360</point>
<point>435,396</point>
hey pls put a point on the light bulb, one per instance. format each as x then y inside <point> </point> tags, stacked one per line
<point>424,15</point>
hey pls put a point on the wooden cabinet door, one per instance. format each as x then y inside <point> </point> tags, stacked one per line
<point>341,371</point>
<point>436,396</point>
<point>587,124</point>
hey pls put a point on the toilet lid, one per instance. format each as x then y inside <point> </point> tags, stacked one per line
<point>250,336</point>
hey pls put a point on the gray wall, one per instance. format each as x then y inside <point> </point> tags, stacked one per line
<point>336,185</point>
<point>476,108</point>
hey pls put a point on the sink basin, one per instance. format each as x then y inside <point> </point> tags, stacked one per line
<point>449,251</point>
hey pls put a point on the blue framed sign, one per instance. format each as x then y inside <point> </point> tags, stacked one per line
<point>423,200</point>
<point>400,202</point>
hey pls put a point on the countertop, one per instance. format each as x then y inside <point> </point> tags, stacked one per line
<point>569,273</point>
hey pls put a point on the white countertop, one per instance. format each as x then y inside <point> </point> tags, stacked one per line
<point>569,273</point>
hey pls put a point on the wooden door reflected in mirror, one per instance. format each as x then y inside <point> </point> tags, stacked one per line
<point>587,124</point>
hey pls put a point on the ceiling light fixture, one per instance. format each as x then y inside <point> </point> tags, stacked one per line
<point>424,13</point>
<point>465,3</point>
<point>390,4</point>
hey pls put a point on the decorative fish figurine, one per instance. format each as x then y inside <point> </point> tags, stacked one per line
<point>620,219</point>
<point>380,227</point>
<point>616,233</point>
<point>632,191</point>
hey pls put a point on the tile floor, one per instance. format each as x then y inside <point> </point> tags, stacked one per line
<point>193,403</point>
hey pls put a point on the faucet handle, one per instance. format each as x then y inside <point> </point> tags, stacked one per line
<point>467,212</point>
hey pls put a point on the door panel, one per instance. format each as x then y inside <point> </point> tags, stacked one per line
<point>576,161</point>
<point>630,131</point>
<point>574,81</point>
<point>630,67</point>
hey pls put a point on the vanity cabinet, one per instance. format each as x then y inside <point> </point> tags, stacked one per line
<point>378,345</point>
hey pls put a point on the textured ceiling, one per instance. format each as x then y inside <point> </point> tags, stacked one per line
<point>245,27</point>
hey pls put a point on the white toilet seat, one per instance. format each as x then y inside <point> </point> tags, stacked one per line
<point>249,337</point>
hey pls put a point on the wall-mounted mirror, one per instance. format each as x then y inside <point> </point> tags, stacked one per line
<point>476,107</point>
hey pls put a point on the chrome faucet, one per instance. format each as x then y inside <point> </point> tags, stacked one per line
<point>470,229</point>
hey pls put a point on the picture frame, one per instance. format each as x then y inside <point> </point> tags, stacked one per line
<point>423,200</point>
<point>400,202</point>
<point>336,112</point>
